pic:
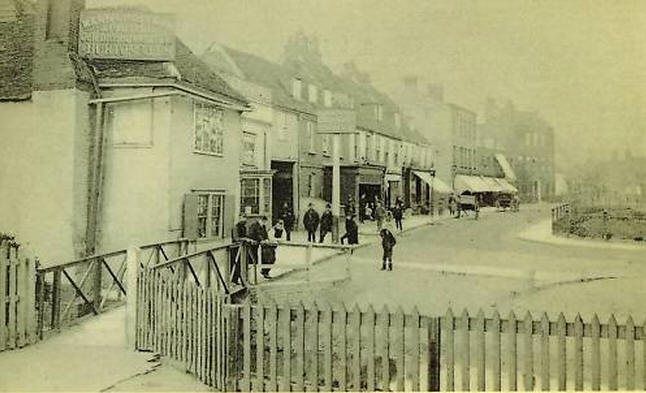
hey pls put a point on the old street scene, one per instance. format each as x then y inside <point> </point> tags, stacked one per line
<point>322,195</point>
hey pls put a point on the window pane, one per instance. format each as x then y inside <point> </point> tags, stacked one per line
<point>266,196</point>
<point>216,215</point>
<point>209,128</point>
<point>202,211</point>
<point>250,195</point>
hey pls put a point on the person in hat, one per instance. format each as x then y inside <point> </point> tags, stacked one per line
<point>387,244</point>
<point>351,230</point>
<point>311,222</point>
<point>327,222</point>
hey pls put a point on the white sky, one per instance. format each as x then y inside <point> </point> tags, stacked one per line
<point>580,64</point>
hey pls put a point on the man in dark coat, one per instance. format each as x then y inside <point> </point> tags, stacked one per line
<point>238,233</point>
<point>258,233</point>
<point>326,222</point>
<point>387,243</point>
<point>311,222</point>
<point>398,215</point>
<point>288,221</point>
<point>351,231</point>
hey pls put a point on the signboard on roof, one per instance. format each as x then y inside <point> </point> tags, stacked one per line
<point>336,121</point>
<point>126,35</point>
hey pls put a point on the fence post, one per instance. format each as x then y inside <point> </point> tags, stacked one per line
<point>96,284</point>
<point>308,260</point>
<point>3,291</point>
<point>434,334</point>
<point>132,268</point>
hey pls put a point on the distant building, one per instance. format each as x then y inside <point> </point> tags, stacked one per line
<point>528,143</point>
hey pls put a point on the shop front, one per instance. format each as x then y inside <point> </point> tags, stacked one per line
<point>362,184</point>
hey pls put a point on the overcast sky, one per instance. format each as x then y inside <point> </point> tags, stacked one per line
<point>580,64</point>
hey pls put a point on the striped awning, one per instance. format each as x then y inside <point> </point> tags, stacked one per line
<point>441,187</point>
<point>506,186</point>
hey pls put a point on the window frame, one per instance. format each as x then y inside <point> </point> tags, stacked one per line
<point>199,150</point>
<point>211,196</point>
<point>311,133</point>
<point>262,195</point>
<point>254,158</point>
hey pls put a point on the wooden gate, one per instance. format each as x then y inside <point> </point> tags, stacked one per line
<point>17,291</point>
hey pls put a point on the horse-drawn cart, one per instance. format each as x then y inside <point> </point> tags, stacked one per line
<point>507,201</point>
<point>467,202</point>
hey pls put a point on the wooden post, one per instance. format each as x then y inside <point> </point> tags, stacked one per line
<point>40,286</point>
<point>3,291</point>
<point>434,346</point>
<point>308,260</point>
<point>132,268</point>
<point>96,284</point>
<point>56,300</point>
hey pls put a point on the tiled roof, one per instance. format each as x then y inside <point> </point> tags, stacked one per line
<point>191,71</point>
<point>268,74</point>
<point>16,50</point>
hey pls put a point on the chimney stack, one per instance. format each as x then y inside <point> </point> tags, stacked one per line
<point>56,37</point>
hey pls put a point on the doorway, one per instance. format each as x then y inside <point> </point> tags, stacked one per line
<point>283,188</point>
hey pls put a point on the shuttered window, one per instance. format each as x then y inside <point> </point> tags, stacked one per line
<point>204,215</point>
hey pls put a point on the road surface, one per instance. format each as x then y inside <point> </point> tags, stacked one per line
<point>484,264</point>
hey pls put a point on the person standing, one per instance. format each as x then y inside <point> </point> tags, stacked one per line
<point>288,221</point>
<point>380,215</point>
<point>311,222</point>
<point>258,232</point>
<point>398,215</point>
<point>238,233</point>
<point>326,222</point>
<point>351,231</point>
<point>387,244</point>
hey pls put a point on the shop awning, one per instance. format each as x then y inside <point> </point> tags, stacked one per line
<point>425,176</point>
<point>506,168</point>
<point>392,177</point>
<point>470,183</point>
<point>506,186</point>
<point>492,184</point>
<point>441,187</point>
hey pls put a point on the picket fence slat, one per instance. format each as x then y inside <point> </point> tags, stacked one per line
<point>355,323</point>
<point>3,300</point>
<point>370,368</point>
<point>496,359</point>
<point>246,337</point>
<point>313,370</point>
<point>595,361</point>
<point>630,354</point>
<point>612,353</point>
<point>545,353</point>
<point>465,352</point>
<point>260,348</point>
<point>511,364</point>
<point>578,354</point>
<point>287,349</point>
<point>449,353</point>
<point>400,352</point>
<point>480,351</point>
<point>561,355</point>
<point>273,348</point>
<point>300,347</point>
<point>327,349</point>
<point>528,356</point>
<point>385,351</point>
<point>343,348</point>
<point>415,354</point>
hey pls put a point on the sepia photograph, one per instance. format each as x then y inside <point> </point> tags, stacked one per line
<point>322,195</point>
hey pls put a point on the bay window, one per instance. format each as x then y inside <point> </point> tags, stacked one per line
<point>255,196</point>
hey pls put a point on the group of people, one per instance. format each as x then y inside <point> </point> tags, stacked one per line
<point>325,222</point>
<point>376,211</point>
<point>264,236</point>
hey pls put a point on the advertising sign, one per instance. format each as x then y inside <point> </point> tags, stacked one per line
<point>126,35</point>
<point>337,121</point>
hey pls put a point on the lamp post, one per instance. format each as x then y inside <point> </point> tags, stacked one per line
<point>336,186</point>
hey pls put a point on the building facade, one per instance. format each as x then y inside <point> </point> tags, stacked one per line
<point>136,149</point>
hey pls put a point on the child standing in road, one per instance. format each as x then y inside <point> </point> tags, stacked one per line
<point>387,243</point>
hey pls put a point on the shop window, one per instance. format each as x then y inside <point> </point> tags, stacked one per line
<point>255,196</point>
<point>209,128</point>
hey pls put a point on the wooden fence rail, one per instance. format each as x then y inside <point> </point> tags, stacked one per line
<point>71,290</point>
<point>17,291</point>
